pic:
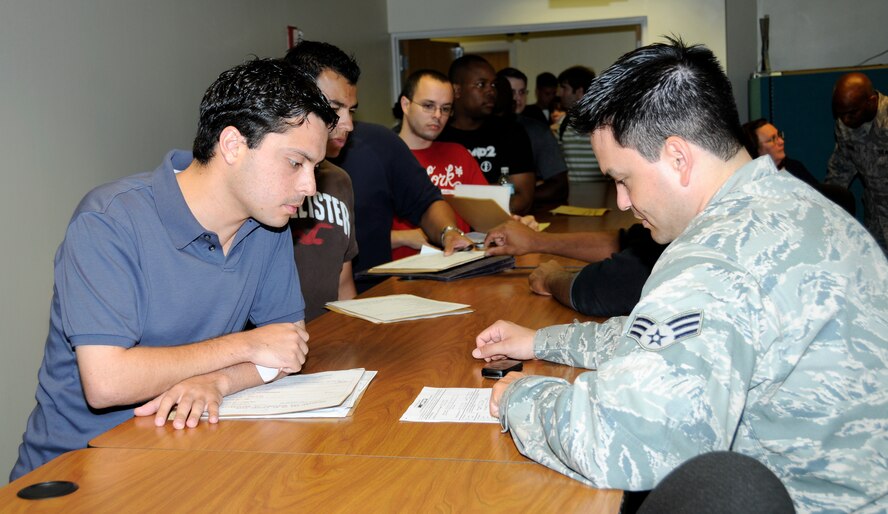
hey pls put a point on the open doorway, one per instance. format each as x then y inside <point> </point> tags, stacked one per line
<point>533,49</point>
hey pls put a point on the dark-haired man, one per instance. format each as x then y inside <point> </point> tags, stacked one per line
<point>325,239</point>
<point>760,330</point>
<point>500,146</point>
<point>546,93</point>
<point>582,166</point>
<point>386,178</point>
<point>552,185</point>
<point>159,272</point>
<point>861,131</point>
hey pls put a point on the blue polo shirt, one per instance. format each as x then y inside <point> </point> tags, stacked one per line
<point>136,268</point>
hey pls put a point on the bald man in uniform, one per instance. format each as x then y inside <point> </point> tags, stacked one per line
<point>861,115</point>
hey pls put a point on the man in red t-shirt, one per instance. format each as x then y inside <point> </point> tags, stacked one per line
<point>426,104</point>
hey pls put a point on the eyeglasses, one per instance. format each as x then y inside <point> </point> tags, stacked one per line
<point>773,139</point>
<point>430,108</point>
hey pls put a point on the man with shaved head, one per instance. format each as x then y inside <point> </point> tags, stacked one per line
<point>861,115</point>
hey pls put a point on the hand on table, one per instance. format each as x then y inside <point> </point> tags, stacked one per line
<point>499,389</point>
<point>191,398</point>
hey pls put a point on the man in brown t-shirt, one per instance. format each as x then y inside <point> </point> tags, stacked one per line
<point>324,240</point>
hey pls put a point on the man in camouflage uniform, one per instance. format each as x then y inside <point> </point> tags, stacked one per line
<point>861,115</point>
<point>760,330</point>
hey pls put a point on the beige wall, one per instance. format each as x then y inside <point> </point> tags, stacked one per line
<point>697,21</point>
<point>95,90</point>
<point>555,53</point>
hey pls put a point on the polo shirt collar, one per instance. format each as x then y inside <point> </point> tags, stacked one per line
<point>181,225</point>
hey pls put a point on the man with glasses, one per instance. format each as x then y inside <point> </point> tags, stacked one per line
<point>861,131</point>
<point>425,105</point>
<point>500,146</point>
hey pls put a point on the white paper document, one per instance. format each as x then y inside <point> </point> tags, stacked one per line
<point>428,261</point>
<point>294,393</point>
<point>453,405</point>
<point>339,411</point>
<point>397,307</point>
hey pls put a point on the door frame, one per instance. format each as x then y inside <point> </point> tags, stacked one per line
<point>396,37</point>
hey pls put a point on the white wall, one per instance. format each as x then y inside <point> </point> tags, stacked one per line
<point>91,90</point>
<point>696,21</point>
<point>812,34</point>
<point>555,53</point>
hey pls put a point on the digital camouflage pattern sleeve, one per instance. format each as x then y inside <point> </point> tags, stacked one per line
<point>761,330</point>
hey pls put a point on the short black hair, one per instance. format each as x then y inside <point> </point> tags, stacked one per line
<point>546,79</point>
<point>663,90</point>
<point>512,73</point>
<point>258,97</point>
<point>314,57</point>
<point>410,84</point>
<point>459,66</point>
<point>577,77</point>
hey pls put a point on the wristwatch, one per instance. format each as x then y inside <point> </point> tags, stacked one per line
<point>448,228</point>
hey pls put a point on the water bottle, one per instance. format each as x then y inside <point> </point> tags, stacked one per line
<point>504,180</point>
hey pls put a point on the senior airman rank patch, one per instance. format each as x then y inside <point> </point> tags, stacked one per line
<point>651,335</point>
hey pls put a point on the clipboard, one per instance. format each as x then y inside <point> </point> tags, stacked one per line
<point>477,268</point>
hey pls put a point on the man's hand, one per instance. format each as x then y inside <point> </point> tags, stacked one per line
<point>547,274</point>
<point>503,340</point>
<point>511,238</point>
<point>282,346</point>
<point>191,397</point>
<point>499,389</point>
<point>528,220</point>
<point>454,241</point>
<point>413,238</point>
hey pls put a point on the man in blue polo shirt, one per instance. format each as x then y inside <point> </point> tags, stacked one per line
<point>159,272</point>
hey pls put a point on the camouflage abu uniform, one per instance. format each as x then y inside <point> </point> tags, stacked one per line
<point>864,151</point>
<point>760,330</point>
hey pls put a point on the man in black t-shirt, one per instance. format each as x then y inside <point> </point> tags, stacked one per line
<point>500,146</point>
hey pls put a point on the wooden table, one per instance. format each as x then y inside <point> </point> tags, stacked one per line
<point>370,461</point>
<point>131,481</point>
<point>407,355</point>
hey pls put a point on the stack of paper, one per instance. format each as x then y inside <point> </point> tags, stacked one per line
<point>397,307</point>
<point>317,395</point>
<point>428,261</point>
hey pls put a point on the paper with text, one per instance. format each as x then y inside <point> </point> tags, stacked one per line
<point>453,405</point>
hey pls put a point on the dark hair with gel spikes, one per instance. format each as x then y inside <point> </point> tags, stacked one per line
<point>663,90</point>
<point>314,57</point>
<point>258,97</point>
